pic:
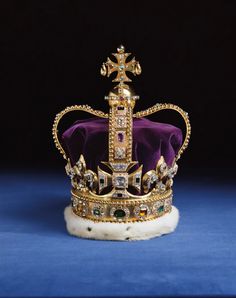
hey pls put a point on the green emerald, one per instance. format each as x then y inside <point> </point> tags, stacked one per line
<point>96,212</point>
<point>119,213</point>
<point>160,209</point>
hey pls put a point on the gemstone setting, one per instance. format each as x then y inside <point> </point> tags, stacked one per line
<point>173,171</point>
<point>119,166</point>
<point>102,180</point>
<point>120,180</point>
<point>98,211</point>
<point>121,122</point>
<point>120,194</point>
<point>168,204</point>
<point>120,136</point>
<point>81,206</point>
<point>142,211</point>
<point>120,153</point>
<point>75,202</point>
<point>158,207</point>
<point>120,213</point>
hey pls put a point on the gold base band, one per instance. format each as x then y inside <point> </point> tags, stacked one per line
<point>117,210</point>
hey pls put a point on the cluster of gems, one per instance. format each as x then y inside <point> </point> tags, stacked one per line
<point>118,192</point>
<point>156,181</point>
<point>118,212</point>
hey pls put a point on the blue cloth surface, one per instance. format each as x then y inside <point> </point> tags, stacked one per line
<point>39,258</point>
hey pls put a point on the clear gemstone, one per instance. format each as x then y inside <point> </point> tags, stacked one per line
<point>161,187</point>
<point>119,166</point>
<point>117,195</point>
<point>168,202</point>
<point>163,167</point>
<point>120,181</point>
<point>153,178</point>
<point>172,171</point>
<point>120,152</point>
<point>70,171</point>
<point>79,165</point>
<point>75,202</point>
<point>121,122</point>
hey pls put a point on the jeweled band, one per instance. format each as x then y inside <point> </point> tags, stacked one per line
<point>114,210</point>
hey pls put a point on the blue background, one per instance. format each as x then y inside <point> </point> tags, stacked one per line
<point>39,258</point>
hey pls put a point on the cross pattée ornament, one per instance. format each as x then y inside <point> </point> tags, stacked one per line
<point>121,66</point>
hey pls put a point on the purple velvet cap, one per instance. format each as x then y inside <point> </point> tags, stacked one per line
<point>150,140</point>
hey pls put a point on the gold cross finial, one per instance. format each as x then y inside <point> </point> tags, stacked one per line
<point>121,66</point>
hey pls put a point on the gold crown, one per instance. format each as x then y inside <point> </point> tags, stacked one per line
<point>153,197</point>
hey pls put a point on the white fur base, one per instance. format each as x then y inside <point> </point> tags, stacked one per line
<point>86,228</point>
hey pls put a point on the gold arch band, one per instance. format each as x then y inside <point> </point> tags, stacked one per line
<point>59,116</point>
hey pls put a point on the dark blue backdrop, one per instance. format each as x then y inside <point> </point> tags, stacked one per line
<point>38,257</point>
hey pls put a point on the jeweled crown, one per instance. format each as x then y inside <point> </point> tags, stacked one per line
<point>116,192</point>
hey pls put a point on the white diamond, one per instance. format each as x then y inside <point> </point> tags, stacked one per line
<point>163,167</point>
<point>172,171</point>
<point>79,165</point>
<point>168,202</point>
<point>75,202</point>
<point>161,187</point>
<point>120,122</point>
<point>119,194</point>
<point>120,180</point>
<point>120,152</point>
<point>153,178</point>
<point>119,166</point>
